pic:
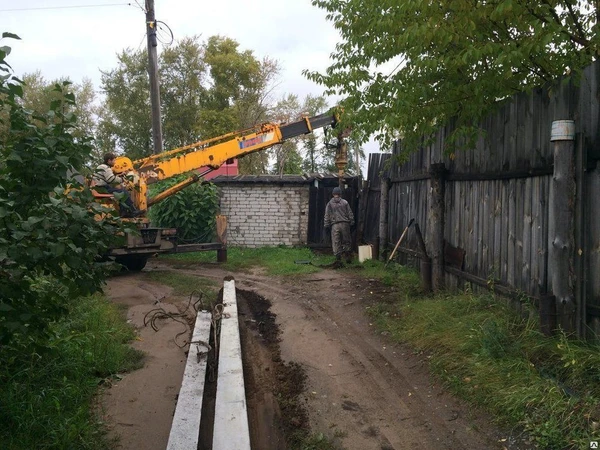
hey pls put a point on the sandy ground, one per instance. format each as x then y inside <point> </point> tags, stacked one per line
<point>361,390</point>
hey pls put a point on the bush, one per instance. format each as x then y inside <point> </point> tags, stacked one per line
<point>51,231</point>
<point>192,211</point>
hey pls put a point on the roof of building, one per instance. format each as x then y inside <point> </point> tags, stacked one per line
<point>276,179</point>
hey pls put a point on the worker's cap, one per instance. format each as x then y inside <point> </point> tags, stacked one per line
<point>337,191</point>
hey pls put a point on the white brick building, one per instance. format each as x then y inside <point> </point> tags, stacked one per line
<point>266,210</point>
<point>271,210</point>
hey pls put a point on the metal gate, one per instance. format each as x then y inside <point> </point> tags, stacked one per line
<point>320,193</point>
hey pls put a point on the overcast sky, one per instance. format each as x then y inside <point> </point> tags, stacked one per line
<point>83,39</point>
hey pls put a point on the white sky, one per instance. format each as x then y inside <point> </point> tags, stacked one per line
<point>79,42</point>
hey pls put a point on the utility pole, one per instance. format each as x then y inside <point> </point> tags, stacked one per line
<point>153,74</point>
<point>341,158</point>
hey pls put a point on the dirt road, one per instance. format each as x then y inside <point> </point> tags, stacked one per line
<point>360,390</point>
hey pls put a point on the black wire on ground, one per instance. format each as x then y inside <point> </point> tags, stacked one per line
<point>195,301</point>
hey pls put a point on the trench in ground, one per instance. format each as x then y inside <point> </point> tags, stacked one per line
<point>277,416</point>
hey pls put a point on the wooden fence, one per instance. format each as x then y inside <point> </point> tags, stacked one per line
<point>496,201</point>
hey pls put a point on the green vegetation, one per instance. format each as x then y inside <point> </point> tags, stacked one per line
<point>192,211</point>
<point>276,260</point>
<point>404,69</point>
<point>57,341</point>
<point>47,397</point>
<point>51,231</point>
<point>310,441</point>
<point>183,284</point>
<point>495,359</point>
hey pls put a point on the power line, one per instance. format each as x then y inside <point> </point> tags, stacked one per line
<point>66,7</point>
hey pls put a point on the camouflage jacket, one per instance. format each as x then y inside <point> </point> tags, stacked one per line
<point>337,211</point>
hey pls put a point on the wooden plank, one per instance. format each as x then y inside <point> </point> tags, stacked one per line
<point>511,244</point>
<point>526,248</point>
<point>535,153</point>
<point>497,228</point>
<point>498,142</point>
<point>231,430</point>
<point>510,138</point>
<point>481,220</point>
<point>186,421</point>
<point>492,229</point>
<point>471,260</point>
<point>593,239</point>
<point>544,197</point>
<point>519,201</point>
<point>504,233</point>
<point>535,238</point>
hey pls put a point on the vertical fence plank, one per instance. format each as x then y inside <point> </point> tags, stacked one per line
<point>512,223</point>
<point>527,219</point>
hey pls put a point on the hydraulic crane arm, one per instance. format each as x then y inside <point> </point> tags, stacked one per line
<point>213,153</point>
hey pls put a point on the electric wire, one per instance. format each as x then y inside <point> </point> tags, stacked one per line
<point>141,7</point>
<point>65,7</point>
<point>160,27</point>
<point>156,314</point>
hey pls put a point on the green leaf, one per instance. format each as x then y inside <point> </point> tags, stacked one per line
<point>6,34</point>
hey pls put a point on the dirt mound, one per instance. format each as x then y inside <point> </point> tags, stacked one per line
<point>273,387</point>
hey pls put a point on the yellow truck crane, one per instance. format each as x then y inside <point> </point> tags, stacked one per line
<point>209,154</point>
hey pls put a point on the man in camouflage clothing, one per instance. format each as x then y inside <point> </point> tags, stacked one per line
<point>339,217</point>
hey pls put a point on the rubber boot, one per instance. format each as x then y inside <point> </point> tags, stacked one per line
<point>348,256</point>
<point>338,262</point>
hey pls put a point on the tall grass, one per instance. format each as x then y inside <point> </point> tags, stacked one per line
<point>47,396</point>
<point>484,352</point>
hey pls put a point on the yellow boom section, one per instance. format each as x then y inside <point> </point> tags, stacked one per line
<point>208,153</point>
<point>211,153</point>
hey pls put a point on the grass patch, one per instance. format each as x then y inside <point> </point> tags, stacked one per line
<point>277,260</point>
<point>182,284</point>
<point>393,275</point>
<point>47,396</point>
<point>488,355</point>
<point>303,440</point>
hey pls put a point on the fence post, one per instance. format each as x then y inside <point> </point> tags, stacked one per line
<point>561,223</point>
<point>383,218</point>
<point>438,188</point>
<point>222,238</point>
<point>425,263</point>
<point>362,211</point>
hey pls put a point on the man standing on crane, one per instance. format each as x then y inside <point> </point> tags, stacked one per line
<point>339,217</point>
<point>105,178</point>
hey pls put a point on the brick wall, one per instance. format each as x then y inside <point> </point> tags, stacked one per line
<point>265,214</point>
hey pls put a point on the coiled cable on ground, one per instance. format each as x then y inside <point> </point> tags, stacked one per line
<point>195,301</point>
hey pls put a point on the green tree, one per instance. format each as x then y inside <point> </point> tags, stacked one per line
<point>51,231</point>
<point>405,68</point>
<point>184,92</point>
<point>207,89</point>
<point>125,120</point>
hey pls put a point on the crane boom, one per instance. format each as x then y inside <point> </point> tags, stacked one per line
<point>212,153</point>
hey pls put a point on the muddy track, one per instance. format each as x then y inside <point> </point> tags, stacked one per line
<point>362,390</point>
